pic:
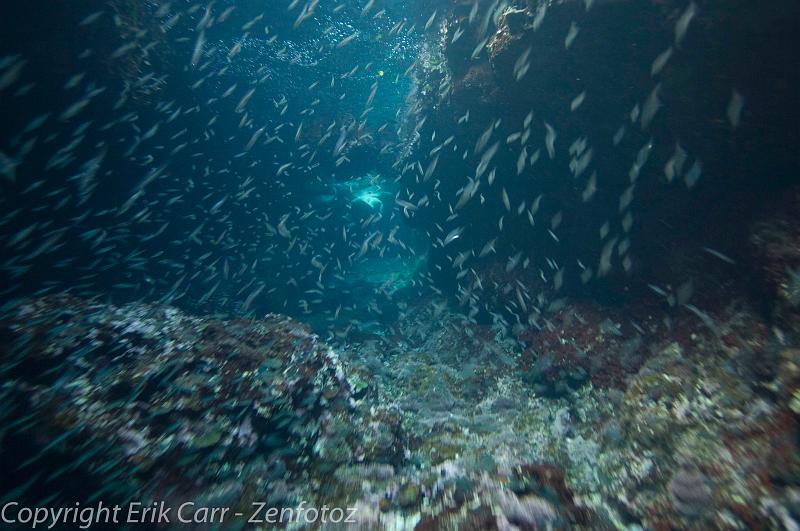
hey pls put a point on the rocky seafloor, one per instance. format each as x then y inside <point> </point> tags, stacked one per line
<point>637,416</point>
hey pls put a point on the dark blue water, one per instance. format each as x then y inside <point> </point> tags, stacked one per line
<point>506,184</point>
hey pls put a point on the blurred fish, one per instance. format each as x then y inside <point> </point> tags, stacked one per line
<point>660,62</point>
<point>489,247</point>
<point>719,255</point>
<point>8,167</point>
<point>91,19</point>
<point>347,40</point>
<point>693,175</point>
<point>735,106</point>
<point>522,64</point>
<point>550,140</point>
<point>452,235</point>
<point>682,25</point>
<point>429,23</point>
<point>577,101</point>
<point>571,34</point>
<point>651,106</point>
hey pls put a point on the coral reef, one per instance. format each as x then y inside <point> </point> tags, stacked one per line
<point>431,423</point>
<point>137,399</point>
<point>647,413</point>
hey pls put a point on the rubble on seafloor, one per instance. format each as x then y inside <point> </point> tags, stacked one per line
<point>640,415</point>
<point>692,433</point>
<point>437,424</point>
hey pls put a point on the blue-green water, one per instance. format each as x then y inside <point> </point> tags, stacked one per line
<point>530,203</point>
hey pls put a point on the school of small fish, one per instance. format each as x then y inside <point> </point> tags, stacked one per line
<point>192,226</point>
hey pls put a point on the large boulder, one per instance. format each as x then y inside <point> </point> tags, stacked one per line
<point>143,401</point>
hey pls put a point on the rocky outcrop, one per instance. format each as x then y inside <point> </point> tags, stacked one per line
<point>138,401</point>
<point>587,70</point>
<point>432,424</point>
<point>146,402</point>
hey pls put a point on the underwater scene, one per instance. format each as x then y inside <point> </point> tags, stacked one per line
<point>400,264</point>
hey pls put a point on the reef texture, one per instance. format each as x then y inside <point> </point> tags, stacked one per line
<point>143,401</point>
<point>431,423</point>
<point>691,432</point>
